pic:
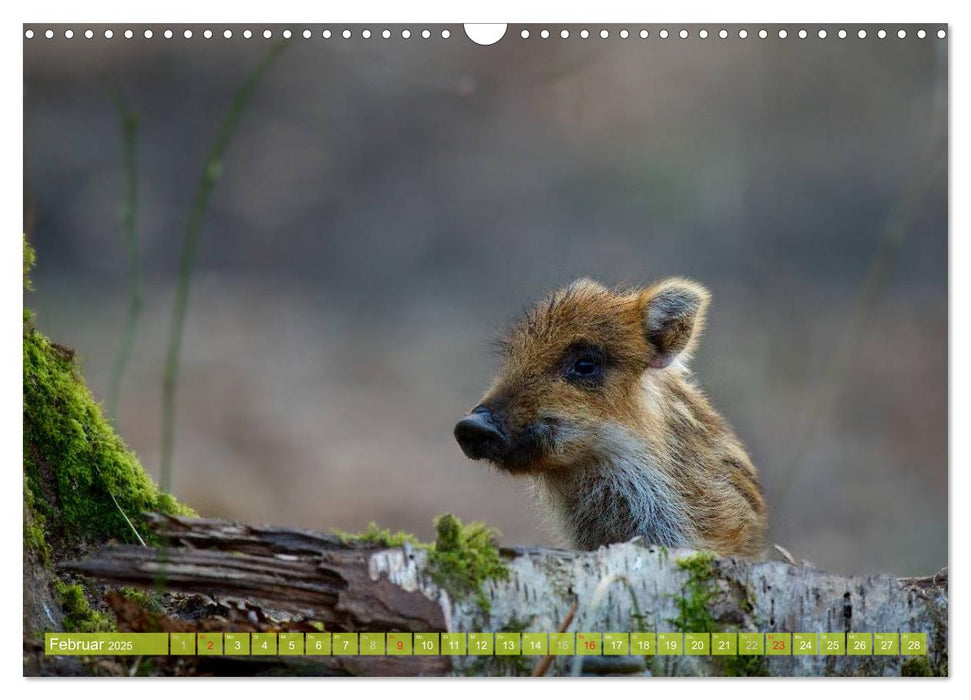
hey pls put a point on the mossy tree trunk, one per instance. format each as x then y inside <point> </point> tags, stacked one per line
<point>82,487</point>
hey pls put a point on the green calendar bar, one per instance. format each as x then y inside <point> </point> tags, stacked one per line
<point>106,644</point>
<point>832,643</point>
<point>859,644</point>
<point>209,643</point>
<point>778,644</point>
<point>427,644</point>
<point>454,643</point>
<point>317,643</point>
<point>263,643</point>
<point>643,643</point>
<point>291,643</point>
<point>886,644</point>
<point>588,644</point>
<point>372,644</point>
<point>670,644</point>
<point>535,644</point>
<point>913,643</point>
<point>183,643</point>
<point>402,644</point>
<point>724,644</point>
<point>616,644</point>
<point>563,644</point>
<point>804,644</point>
<point>697,643</point>
<point>236,643</point>
<point>487,644</point>
<point>481,644</point>
<point>344,643</point>
<point>751,644</point>
<point>508,644</point>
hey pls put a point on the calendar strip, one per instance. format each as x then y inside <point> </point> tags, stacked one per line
<point>486,644</point>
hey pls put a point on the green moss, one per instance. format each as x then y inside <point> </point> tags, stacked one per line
<point>376,535</point>
<point>29,259</point>
<point>79,616</point>
<point>34,540</point>
<point>464,557</point>
<point>150,601</point>
<point>917,666</point>
<point>515,624</point>
<point>74,462</point>
<point>147,666</point>
<point>461,559</point>
<point>694,612</point>
<point>742,666</point>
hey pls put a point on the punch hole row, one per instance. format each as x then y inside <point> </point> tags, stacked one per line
<point>725,34</point>
<point>245,34</point>
<point>445,34</point>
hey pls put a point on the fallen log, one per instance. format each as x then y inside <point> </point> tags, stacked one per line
<point>301,576</point>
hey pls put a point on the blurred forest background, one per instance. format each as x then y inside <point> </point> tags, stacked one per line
<point>386,205</point>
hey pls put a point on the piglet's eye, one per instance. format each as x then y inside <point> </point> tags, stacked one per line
<point>586,366</point>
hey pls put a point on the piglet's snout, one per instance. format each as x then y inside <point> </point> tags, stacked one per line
<point>479,436</point>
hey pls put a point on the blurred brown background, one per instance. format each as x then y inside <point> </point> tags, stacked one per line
<point>385,205</point>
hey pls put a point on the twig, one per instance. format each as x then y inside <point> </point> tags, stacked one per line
<point>121,510</point>
<point>30,206</point>
<point>129,123</point>
<point>210,175</point>
<point>785,553</point>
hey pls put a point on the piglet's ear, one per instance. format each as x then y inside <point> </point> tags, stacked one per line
<point>674,314</point>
